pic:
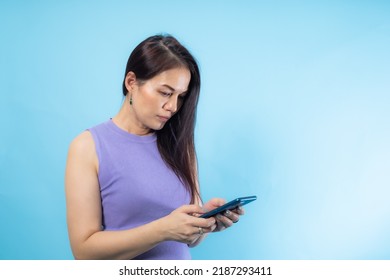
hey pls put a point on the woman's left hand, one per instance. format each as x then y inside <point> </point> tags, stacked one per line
<point>225,219</point>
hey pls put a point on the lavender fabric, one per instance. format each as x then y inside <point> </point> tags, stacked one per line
<point>136,186</point>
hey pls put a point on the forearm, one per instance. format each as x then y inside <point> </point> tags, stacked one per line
<point>123,244</point>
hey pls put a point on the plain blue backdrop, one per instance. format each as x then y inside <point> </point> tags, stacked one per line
<point>294,108</point>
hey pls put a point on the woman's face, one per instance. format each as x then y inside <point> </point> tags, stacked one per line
<point>155,101</point>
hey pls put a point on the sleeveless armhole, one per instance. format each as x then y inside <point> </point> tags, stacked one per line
<point>96,143</point>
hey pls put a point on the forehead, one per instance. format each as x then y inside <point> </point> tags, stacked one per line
<point>176,78</point>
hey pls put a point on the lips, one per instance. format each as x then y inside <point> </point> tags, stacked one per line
<point>164,118</point>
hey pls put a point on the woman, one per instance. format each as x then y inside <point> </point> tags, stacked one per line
<point>131,182</point>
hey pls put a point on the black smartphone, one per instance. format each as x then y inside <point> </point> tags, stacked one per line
<point>230,205</point>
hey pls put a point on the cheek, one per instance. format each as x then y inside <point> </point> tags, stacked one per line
<point>150,101</point>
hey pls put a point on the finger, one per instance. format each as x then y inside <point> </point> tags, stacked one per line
<point>199,231</point>
<point>210,229</point>
<point>193,238</point>
<point>195,234</point>
<point>204,223</point>
<point>232,216</point>
<point>240,210</point>
<point>226,222</point>
<point>190,209</point>
<point>220,226</point>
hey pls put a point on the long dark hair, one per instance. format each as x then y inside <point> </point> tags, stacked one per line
<point>175,140</point>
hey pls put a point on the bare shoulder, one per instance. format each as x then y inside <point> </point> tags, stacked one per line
<point>83,143</point>
<point>83,148</point>
<point>82,163</point>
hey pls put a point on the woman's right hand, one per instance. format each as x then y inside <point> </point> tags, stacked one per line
<point>182,225</point>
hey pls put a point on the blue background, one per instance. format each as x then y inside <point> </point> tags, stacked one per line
<point>294,108</point>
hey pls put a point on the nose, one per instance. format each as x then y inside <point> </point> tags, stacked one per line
<point>171,104</point>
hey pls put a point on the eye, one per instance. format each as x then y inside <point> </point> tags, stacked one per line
<point>165,94</point>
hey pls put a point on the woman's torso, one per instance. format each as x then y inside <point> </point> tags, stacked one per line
<point>136,185</point>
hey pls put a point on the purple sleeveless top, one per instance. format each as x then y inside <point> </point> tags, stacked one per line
<point>136,186</point>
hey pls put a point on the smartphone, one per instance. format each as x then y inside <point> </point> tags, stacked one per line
<point>230,205</point>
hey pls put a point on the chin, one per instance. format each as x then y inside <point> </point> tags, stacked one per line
<point>157,126</point>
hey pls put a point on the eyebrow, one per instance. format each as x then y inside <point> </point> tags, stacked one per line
<point>171,88</point>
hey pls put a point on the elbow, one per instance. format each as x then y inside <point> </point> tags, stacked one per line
<point>86,253</point>
<point>81,252</point>
<point>83,249</point>
<point>78,254</point>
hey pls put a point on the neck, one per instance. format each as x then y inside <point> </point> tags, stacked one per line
<point>126,120</point>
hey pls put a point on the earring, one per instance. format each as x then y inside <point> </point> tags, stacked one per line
<point>131,100</point>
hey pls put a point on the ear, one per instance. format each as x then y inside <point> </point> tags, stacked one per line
<point>130,81</point>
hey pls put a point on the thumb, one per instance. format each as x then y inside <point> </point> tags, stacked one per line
<point>214,203</point>
<point>218,201</point>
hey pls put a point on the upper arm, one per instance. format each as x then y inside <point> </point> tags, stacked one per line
<point>83,201</point>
